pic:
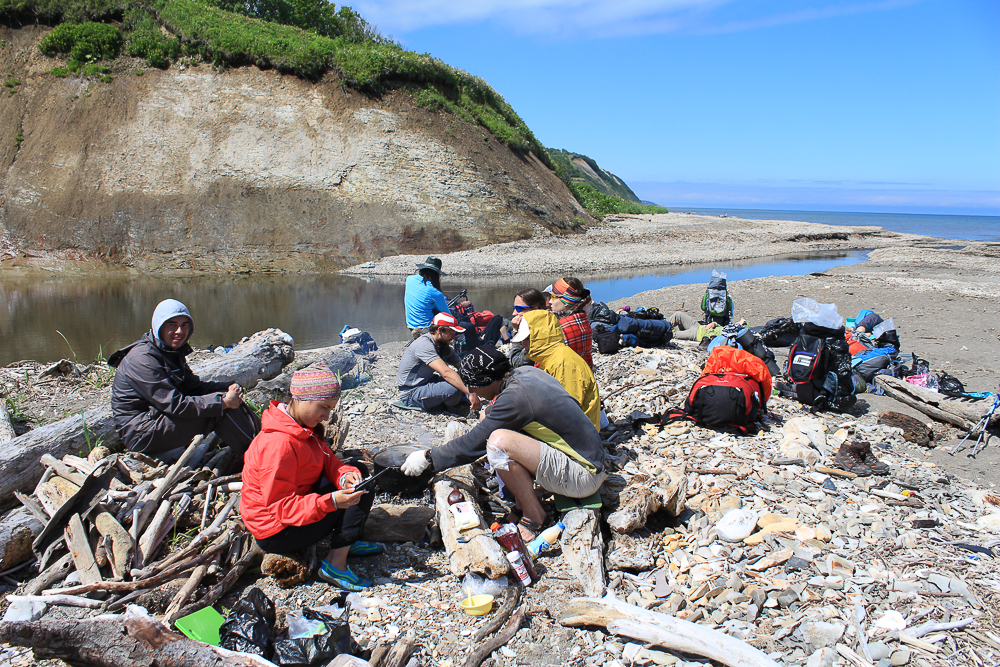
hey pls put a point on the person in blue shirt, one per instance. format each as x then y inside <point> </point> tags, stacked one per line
<point>423,300</point>
<point>423,297</point>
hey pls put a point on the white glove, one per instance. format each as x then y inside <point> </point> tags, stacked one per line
<point>415,463</point>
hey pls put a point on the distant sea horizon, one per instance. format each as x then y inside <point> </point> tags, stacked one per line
<point>964,227</point>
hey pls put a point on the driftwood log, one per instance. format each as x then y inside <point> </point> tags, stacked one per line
<point>669,632</point>
<point>18,529</point>
<point>583,549</point>
<point>133,639</point>
<point>933,404</point>
<point>261,357</point>
<point>645,495</point>
<point>472,550</point>
<point>483,651</point>
<point>914,430</point>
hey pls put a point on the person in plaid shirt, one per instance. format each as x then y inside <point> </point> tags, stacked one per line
<point>569,302</point>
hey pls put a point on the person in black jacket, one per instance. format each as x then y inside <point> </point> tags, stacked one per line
<point>159,405</point>
<point>533,432</point>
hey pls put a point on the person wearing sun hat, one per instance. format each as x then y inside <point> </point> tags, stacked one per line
<point>427,379</point>
<point>423,298</point>
<point>532,432</point>
<point>159,404</point>
<point>296,491</point>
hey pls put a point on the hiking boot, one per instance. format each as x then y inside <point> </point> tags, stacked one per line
<point>868,458</point>
<point>849,458</point>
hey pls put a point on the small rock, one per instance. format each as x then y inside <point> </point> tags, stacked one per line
<point>736,525</point>
<point>818,634</point>
<point>900,657</point>
<point>824,657</point>
<point>879,651</point>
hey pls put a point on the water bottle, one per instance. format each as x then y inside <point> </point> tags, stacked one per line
<point>545,539</point>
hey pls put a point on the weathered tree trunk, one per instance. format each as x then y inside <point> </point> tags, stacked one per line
<point>583,549</point>
<point>131,640</point>
<point>662,630</point>
<point>18,529</point>
<point>478,552</point>
<point>261,357</point>
<point>933,404</point>
<point>645,495</point>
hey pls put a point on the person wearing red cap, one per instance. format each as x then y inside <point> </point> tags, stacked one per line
<point>297,492</point>
<point>427,378</point>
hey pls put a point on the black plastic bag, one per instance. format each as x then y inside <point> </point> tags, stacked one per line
<point>249,624</point>
<point>319,648</point>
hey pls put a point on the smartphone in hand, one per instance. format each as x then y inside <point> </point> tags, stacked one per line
<point>368,483</point>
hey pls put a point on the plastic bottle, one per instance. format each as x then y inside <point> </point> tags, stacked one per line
<point>517,564</point>
<point>545,539</point>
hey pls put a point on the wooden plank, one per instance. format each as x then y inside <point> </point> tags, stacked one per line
<point>63,470</point>
<point>83,557</point>
<point>933,404</point>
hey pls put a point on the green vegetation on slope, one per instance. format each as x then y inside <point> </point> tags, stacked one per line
<point>599,191</point>
<point>320,39</point>
<point>568,167</point>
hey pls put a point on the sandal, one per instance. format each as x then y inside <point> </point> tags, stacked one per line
<point>532,527</point>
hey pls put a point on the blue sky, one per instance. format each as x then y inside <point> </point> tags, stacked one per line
<point>891,105</point>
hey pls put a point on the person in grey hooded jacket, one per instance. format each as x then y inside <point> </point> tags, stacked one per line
<point>159,404</point>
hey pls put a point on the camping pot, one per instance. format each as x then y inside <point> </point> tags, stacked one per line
<point>394,481</point>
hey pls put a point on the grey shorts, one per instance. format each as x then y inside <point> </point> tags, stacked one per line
<point>558,473</point>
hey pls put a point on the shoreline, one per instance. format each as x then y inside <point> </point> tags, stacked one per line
<point>642,242</point>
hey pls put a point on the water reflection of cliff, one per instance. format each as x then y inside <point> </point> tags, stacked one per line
<point>109,312</point>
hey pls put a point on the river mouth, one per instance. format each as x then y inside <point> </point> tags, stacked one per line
<point>98,315</point>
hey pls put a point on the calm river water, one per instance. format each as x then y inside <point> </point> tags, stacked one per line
<point>103,314</point>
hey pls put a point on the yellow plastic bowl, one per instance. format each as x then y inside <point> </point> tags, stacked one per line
<point>478,605</point>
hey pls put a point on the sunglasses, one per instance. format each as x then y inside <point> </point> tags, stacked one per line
<point>521,309</point>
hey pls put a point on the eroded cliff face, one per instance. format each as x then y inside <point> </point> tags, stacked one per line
<point>249,170</point>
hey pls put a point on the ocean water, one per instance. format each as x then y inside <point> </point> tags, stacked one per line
<point>964,227</point>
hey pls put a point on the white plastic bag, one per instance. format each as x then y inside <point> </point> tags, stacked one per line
<point>882,327</point>
<point>822,314</point>
<point>299,626</point>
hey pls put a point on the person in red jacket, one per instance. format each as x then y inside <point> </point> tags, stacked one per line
<point>296,491</point>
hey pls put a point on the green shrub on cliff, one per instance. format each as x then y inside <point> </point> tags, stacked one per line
<point>83,41</point>
<point>146,40</point>
<point>600,204</point>
<point>70,11</point>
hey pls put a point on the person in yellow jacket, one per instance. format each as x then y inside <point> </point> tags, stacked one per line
<point>545,346</point>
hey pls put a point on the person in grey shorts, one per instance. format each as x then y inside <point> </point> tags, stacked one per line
<point>533,432</point>
<point>426,378</point>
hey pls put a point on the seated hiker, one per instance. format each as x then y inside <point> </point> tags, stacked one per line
<point>686,327</point>
<point>866,321</point>
<point>571,303</point>
<point>296,491</point>
<point>487,325</point>
<point>423,299</point>
<point>526,300</point>
<point>426,378</point>
<point>541,336</point>
<point>159,405</point>
<point>533,432</point>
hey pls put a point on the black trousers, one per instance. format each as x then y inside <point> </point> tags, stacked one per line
<point>237,427</point>
<point>346,526</point>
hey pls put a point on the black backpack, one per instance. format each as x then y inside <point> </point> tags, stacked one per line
<point>779,332</point>
<point>819,365</point>
<point>602,313</point>
<point>647,314</point>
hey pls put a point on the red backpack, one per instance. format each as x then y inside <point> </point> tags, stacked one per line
<point>725,395</point>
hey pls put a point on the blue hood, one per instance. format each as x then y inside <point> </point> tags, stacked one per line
<point>166,310</point>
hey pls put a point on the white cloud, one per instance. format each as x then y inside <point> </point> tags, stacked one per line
<point>588,18</point>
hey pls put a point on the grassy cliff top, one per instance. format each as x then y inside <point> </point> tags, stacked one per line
<point>308,38</point>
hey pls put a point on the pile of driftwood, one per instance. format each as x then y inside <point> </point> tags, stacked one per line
<point>117,525</point>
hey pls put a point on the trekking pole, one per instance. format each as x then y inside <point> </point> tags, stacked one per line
<point>979,426</point>
<point>983,439</point>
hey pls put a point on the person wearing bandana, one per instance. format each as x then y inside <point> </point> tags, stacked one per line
<point>533,432</point>
<point>570,302</point>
